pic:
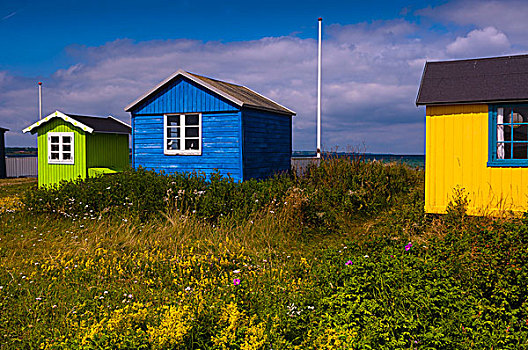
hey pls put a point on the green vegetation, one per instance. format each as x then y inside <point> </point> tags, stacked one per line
<point>15,187</point>
<point>17,151</point>
<point>341,258</point>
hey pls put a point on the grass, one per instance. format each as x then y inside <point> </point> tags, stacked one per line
<point>15,186</point>
<point>335,266</point>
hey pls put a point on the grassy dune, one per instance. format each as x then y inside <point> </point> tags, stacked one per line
<point>342,258</point>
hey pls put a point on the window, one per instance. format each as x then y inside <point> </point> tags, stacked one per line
<point>183,134</point>
<point>60,147</point>
<point>509,135</point>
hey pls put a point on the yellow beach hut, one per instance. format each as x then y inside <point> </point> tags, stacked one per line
<point>476,133</point>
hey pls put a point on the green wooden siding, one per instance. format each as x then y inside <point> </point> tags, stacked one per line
<point>54,173</point>
<point>107,150</point>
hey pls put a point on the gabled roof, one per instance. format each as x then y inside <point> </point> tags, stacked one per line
<point>482,80</point>
<point>87,123</point>
<point>237,94</point>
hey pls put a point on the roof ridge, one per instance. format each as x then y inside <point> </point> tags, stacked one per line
<point>480,58</point>
<point>213,79</point>
<point>84,115</point>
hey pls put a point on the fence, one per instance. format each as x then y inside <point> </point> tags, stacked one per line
<point>300,164</point>
<point>21,166</point>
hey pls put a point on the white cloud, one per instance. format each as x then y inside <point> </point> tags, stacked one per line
<point>371,73</point>
<point>480,42</point>
<point>508,16</point>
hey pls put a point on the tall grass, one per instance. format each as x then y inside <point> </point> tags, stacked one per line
<point>338,188</point>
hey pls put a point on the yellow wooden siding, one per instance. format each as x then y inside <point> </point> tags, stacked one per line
<point>54,173</point>
<point>457,155</point>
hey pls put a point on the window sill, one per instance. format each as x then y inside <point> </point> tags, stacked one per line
<point>183,153</point>
<point>67,163</point>
<point>507,163</point>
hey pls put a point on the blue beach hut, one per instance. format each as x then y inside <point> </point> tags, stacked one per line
<point>190,122</point>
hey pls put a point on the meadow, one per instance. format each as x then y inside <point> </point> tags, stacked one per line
<point>342,257</point>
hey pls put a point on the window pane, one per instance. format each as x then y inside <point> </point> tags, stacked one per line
<point>54,156</point>
<point>54,148</point>
<point>191,144</point>
<point>520,132</point>
<point>54,139</point>
<point>66,148</point>
<point>173,145</point>
<point>520,151</point>
<point>191,132</point>
<point>66,139</point>
<point>191,119</point>
<point>507,133</point>
<point>173,132</point>
<point>66,156</point>
<point>507,150</point>
<point>500,150</point>
<point>517,115</point>
<point>507,115</point>
<point>173,120</point>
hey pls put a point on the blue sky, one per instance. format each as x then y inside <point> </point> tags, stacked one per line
<point>95,57</point>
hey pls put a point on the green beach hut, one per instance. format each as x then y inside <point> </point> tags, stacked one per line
<point>72,146</point>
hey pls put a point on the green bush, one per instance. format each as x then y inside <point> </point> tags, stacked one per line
<point>345,187</point>
<point>338,189</point>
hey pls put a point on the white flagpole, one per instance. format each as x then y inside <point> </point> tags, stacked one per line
<point>319,92</point>
<point>40,99</point>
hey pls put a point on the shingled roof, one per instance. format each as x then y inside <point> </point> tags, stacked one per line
<point>238,94</point>
<point>101,124</point>
<point>87,123</point>
<point>482,80</point>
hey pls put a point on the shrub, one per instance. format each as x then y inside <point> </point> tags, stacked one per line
<point>340,188</point>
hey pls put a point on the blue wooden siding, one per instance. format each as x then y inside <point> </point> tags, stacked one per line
<point>221,146</point>
<point>183,96</point>
<point>267,143</point>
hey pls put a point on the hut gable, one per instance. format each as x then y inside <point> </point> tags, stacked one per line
<point>85,123</point>
<point>181,95</point>
<point>236,96</point>
<point>484,80</point>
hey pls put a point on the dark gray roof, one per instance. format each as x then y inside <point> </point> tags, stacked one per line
<point>249,97</point>
<point>103,125</point>
<point>239,95</point>
<point>482,80</point>
<point>3,129</point>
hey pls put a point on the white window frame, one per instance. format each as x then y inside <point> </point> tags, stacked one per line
<point>61,152</point>
<point>182,138</point>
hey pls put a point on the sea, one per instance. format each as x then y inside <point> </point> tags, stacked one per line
<point>413,160</point>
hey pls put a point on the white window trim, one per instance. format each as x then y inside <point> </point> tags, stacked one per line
<point>182,151</point>
<point>72,148</point>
